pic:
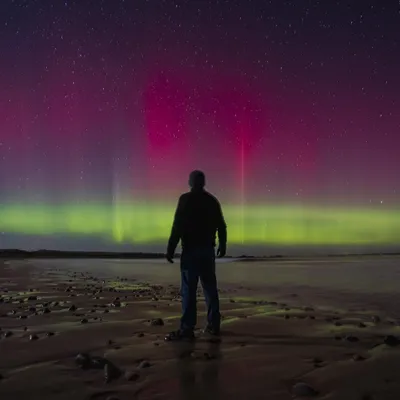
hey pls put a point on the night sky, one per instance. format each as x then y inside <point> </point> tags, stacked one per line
<point>292,109</point>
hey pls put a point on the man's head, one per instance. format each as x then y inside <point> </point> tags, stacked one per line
<point>197,180</point>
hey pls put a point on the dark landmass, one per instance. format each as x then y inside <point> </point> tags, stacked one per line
<point>22,254</point>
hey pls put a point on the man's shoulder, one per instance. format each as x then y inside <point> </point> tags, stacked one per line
<point>212,198</point>
<point>204,194</point>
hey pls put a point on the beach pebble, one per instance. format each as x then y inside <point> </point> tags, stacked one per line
<point>131,376</point>
<point>84,321</point>
<point>49,334</point>
<point>362,325</point>
<point>157,322</point>
<point>209,356</point>
<point>46,310</point>
<point>376,319</point>
<point>116,302</point>
<point>144,364</point>
<point>301,389</point>
<point>98,362</point>
<point>72,308</point>
<point>358,357</point>
<point>352,339</point>
<point>111,372</point>
<point>7,334</point>
<point>33,337</point>
<point>83,360</point>
<point>391,341</point>
<point>32,298</point>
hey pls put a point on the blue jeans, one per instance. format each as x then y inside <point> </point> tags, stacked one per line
<point>199,263</point>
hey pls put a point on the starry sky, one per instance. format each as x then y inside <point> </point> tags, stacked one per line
<point>292,109</point>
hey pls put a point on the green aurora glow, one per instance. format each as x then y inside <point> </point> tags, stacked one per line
<point>144,222</point>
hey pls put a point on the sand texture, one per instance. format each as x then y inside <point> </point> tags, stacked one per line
<point>94,329</point>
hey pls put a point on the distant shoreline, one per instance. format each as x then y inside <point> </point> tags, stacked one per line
<point>52,254</point>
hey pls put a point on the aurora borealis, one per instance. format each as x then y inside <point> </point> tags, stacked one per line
<point>290,107</point>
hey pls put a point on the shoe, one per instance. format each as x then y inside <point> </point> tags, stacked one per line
<point>212,331</point>
<point>179,335</point>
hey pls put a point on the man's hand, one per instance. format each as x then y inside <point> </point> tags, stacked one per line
<point>221,251</point>
<point>170,258</point>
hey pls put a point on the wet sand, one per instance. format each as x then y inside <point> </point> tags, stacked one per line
<point>323,324</point>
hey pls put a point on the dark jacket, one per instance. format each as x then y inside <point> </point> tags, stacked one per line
<point>198,218</point>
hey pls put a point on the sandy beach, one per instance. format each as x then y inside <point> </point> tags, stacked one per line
<point>323,328</point>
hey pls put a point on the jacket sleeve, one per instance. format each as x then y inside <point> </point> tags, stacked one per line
<point>221,226</point>
<point>176,230</point>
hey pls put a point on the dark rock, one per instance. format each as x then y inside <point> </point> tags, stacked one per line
<point>144,364</point>
<point>84,321</point>
<point>33,336</point>
<point>209,356</point>
<point>116,302</point>
<point>32,309</point>
<point>83,360</point>
<point>106,311</point>
<point>286,316</point>
<point>140,334</point>
<point>232,301</point>
<point>362,325</point>
<point>72,308</point>
<point>358,357</point>
<point>46,310</point>
<point>111,372</point>
<point>352,339</point>
<point>337,323</point>
<point>98,362</point>
<point>131,376</point>
<point>376,319</point>
<point>391,341</point>
<point>303,390</point>
<point>32,298</point>
<point>22,317</point>
<point>157,322</point>
<point>8,334</point>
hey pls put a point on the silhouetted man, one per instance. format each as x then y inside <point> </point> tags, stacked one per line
<point>198,218</point>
